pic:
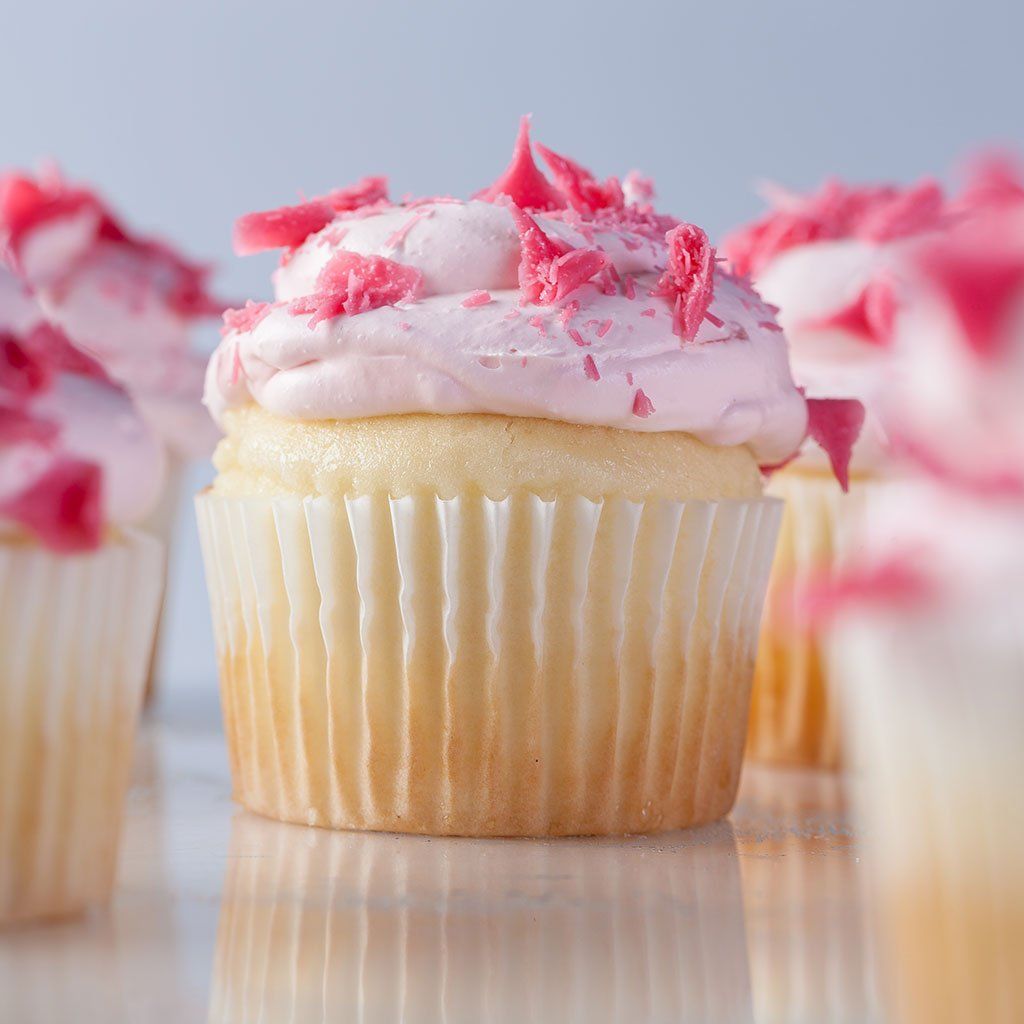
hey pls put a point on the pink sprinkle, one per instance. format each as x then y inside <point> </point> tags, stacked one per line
<point>717,321</point>
<point>647,312</point>
<point>404,325</point>
<point>396,237</point>
<point>642,405</point>
<point>578,338</point>
<point>769,325</point>
<point>632,244</point>
<point>584,192</point>
<point>569,310</point>
<point>512,314</point>
<point>590,368</point>
<point>629,378</point>
<point>522,362</point>
<point>538,322</point>
<point>477,298</point>
<point>629,287</point>
<point>604,328</point>
<point>245,319</point>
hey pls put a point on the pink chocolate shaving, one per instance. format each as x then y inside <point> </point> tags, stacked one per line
<point>365,192</point>
<point>522,181</point>
<point>835,424</point>
<point>477,298</point>
<point>285,227</point>
<point>584,192</point>
<point>351,284</point>
<point>642,405</point>
<point>245,319</point>
<point>689,281</point>
<point>590,368</point>
<point>549,269</point>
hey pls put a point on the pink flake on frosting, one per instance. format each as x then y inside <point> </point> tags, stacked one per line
<point>550,269</point>
<point>245,319</point>
<point>569,310</point>
<point>397,237</point>
<point>477,298</point>
<point>404,325</point>
<point>689,281</point>
<point>642,405</point>
<point>648,312</point>
<point>285,227</point>
<point>604,328</point>
<point>583,191</point>
<point>590,368</point>
<point>871,315</point>
<point>352,284</point>
<point>512,314</point>
<point>629,378</point>
<point>872,213</point>
<point>522,181</point>
<point>629,287</point>
<point>63,507</point>
<point>835,424</point>
<point>715,321</point>
<point>578,338</point>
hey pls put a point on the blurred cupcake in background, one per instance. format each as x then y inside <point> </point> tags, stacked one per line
<point>131,303</point>
<point>79,594</point>
<point>832,262</point>
<point>930,629</point>
<point>487,543</point>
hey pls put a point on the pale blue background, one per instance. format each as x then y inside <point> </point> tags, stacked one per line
<point>190,113</point>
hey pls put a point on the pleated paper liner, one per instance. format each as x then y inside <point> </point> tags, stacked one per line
<point>319,925</point>
<point>479,667</point>
<point>75,634</point>
<point>935,709</point>
<point>795,711</point>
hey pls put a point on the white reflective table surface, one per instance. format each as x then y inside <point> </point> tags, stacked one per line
<point>227,917</point>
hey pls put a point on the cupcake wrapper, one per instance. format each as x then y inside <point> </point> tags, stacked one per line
<point>334,926</point>
<point>794,716</point>
<point>479,667</point>
<point>934,709</point>
<point>75,634</point>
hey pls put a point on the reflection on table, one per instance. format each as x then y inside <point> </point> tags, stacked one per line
<point>318,925</point>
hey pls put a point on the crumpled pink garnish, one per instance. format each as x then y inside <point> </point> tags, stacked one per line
<point>894,582</point>
<point>873,213</point>
<point>247,318</point>
<point>286,227</point>
<point>351,284</point>
<point>980,271</point>
<point>63,507</point>
<point>522,181</point>
<point>549,269</point>
<point>871,315</point>
<point>689,281</point>
<point>583,191</point>
<point>835,424</point>
<point>22,372</point>
<point>26,205</point>
<point>642,405</point>
<point>638,187</point>
<point>365,192</point>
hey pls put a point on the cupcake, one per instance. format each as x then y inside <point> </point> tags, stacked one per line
<point>930,629</point>
<point>131,303</point>
<point>487,542</point>
<point>832,262</point>
<point>79,592</point>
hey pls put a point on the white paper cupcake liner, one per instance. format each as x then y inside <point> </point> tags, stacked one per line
<point>935,710</point>
<point>75,634</point>
<point>469,666</point>
<point>318,926</point>
<point>795,711</point>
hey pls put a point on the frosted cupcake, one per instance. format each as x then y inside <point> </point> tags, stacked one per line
<point>832,262</point>
<point>932,637</point>
<point>487,544</point>
<point>131,303</point>
<point>78,601</point>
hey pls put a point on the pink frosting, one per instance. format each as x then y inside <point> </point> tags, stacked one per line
<point>563,301</point>
<point>74,453</point>
<point>129,302</point>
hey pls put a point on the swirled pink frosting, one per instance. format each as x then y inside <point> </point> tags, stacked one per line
<point>571,301</point>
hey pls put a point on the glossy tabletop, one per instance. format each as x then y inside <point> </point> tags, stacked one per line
<point>227,917</point>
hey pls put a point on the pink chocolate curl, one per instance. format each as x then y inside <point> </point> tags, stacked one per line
<point>365,192</point>
<point>583,191</point>
<point>689,281</point>
<point>835,424</point>
<point>522,181</point>
<point>285,227</point>
<point>549,269</point>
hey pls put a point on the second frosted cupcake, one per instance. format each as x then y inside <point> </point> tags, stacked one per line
<point>487,548</point>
